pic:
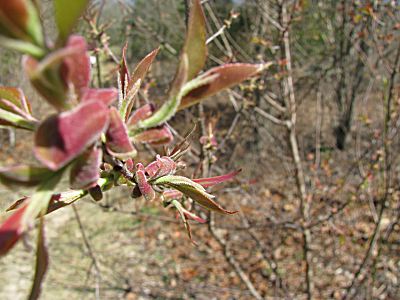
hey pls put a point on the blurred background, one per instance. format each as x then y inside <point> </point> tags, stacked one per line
<point>316,137</point>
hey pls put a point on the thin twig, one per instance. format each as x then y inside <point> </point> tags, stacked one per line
<point>274,103</point>
<point>232,260</point>
<point>270,117</point>
<point>90,252</point>
<point>267,256</point>
<point>318,130</point>
<point>216,34</point>
<point>300,179</point>
<point>205,155</point>
<point>352,289</point>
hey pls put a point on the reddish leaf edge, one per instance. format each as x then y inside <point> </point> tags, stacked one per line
<point>211,181</point>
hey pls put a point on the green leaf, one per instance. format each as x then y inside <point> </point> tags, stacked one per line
<point>202,198</point>
<point>15,96</point>
<point>57,200</point>
<point>45,77</point>
<point>180,209</point>
<point>24,175</point>
<point>34,27</point>
<point>126,103</point>
<point>67,14</point>
<point>15,109</point>
<point>22,46</point>
<point>40,200</point>
<point>14,120</point>
<point>169,108</point>
<point>195,42</point>
<point>192,190</point>
<point>178,180</point>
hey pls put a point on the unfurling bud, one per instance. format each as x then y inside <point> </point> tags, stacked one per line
<point>144,187</point>
<point>163,165</point>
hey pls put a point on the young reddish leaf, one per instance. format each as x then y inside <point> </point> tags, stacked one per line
<point>130,84</point>
<point>180,148</point>
<point>62,69</point>
<point>152,169</point>
<point>163,165</point>
<point>14,16</point>
<point>117,138</point>
<point>11,230</point>
<point>16,224</point>
<point>165,136</point>
<point>227,76</point>
<point>86,169</point>
<point>192,216</point>
<point>107,96</point>
<point>76,67</point>
<point>156,136</point>
<point>166,165</point>
<point>61,138</point>
<point>124,75</point>
<point>195,42</point>
<point>46,80</point>
<point>140,114</point>
<point>19,19</point>
<point>67,14</point>
<point>24,175</point>
<point>18,203</point>
<point>142,68</point>
<point>130,165</point>
<point>42,262</point>
<point>210,181</point>
<point>145,188</point>
<point>171,195</point>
